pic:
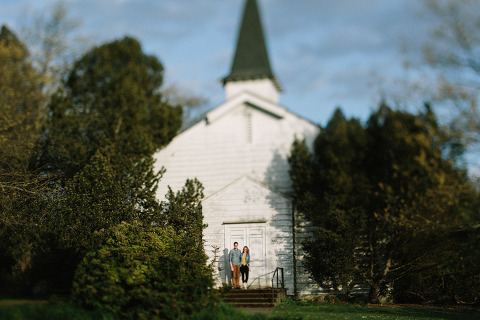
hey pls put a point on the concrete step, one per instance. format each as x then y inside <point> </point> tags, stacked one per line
<point>254,305</point>
<point>254,298</point>
<point>255,291</point>
<point>247,299</point>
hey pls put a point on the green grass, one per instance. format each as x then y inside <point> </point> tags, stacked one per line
<point>41,310</point>
<point>226,312</point>
<point>334,312</point>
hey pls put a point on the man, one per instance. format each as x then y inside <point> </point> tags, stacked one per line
<point>235,257</point>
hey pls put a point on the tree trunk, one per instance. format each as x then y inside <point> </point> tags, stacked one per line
<point>373,293</point>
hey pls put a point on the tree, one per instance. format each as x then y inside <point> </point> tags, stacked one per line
<point>324,172</point>
<point>454,50</point>
<point>72,218</point>
<point>159,268</point>
<point>110,100</point>
<point>51,38</point>
<point>138,273</point>
<point>103,126</point>
<point>451,55</point>
<point>21,102</point>
<point>20,112</point>
<point>194,107</point>
<point>380,198</point>
<point>183,212</point>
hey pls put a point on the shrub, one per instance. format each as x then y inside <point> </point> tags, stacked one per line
<point>141,274</point>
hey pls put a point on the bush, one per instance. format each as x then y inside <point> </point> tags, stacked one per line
<point>141,274</point>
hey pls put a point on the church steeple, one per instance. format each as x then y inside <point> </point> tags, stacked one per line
<point>251,69</point>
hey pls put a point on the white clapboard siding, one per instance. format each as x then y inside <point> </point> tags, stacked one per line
<point>239,153</point>
<point>244,140</point>
<point>259,210</point>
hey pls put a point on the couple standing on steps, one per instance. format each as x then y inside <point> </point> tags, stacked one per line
<point>239,262</point>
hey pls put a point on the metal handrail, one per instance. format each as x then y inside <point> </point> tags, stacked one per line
<point>261,276</point>
<point>276,272</point>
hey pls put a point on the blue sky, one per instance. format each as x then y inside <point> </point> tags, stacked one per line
<point>326,54</point>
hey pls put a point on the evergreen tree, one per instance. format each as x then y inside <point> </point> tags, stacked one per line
<point>382,198</point>
<point>102,129</point>
<point>183,212</point>
<point>110,102</point>
<point>109,99</point>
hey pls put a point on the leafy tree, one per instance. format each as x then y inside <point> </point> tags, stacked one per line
<point>454,47</point>
<point>21,102</point>
<point>20,112</point>
<point>140,273</point>
<point>381,198</point>
<point>183,212</point>
<point>450,65</point>
<point>53,42</point>
<point>153,271</point>
<point>111,102</point>
<point>94,202</point>
<point>194,107</point>
<point>102,129</point>
<point>323,173</point>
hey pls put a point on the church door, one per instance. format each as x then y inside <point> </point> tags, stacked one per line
<point>254,237</point>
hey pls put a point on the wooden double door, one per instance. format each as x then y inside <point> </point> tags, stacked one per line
<point>252,235</point>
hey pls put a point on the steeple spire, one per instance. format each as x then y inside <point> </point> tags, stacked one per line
<point>251,60</point>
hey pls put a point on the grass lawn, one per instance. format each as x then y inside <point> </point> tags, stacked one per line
<point>334,312</point>
<point>40,310</point>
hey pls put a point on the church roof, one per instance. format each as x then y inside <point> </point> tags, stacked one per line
<point>251,57</point>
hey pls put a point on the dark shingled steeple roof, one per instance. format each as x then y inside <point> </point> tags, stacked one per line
<point>251,56</point>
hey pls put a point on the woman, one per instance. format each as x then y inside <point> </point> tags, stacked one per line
<point>245,266</point>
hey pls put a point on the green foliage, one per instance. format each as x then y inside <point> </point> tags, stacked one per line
<point>96,152</point>
<point>109,99</point>
<point>21,102</point>
<point>332,173</point>
<point>382,198</point>
<point>93,201</point>
<point>141,273</point>
<point>102,129</point>
<point>183,212</point>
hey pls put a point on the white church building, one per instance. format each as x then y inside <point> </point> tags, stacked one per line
<point>239,153</point>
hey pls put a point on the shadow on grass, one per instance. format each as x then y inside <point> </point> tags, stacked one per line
<point>332,312</point>
<point>427,313</point>
<point>36,310</point>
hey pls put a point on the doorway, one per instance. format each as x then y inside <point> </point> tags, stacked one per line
<point>252,235</point>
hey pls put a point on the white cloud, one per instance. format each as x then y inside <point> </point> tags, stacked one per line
<point>322,51</point>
